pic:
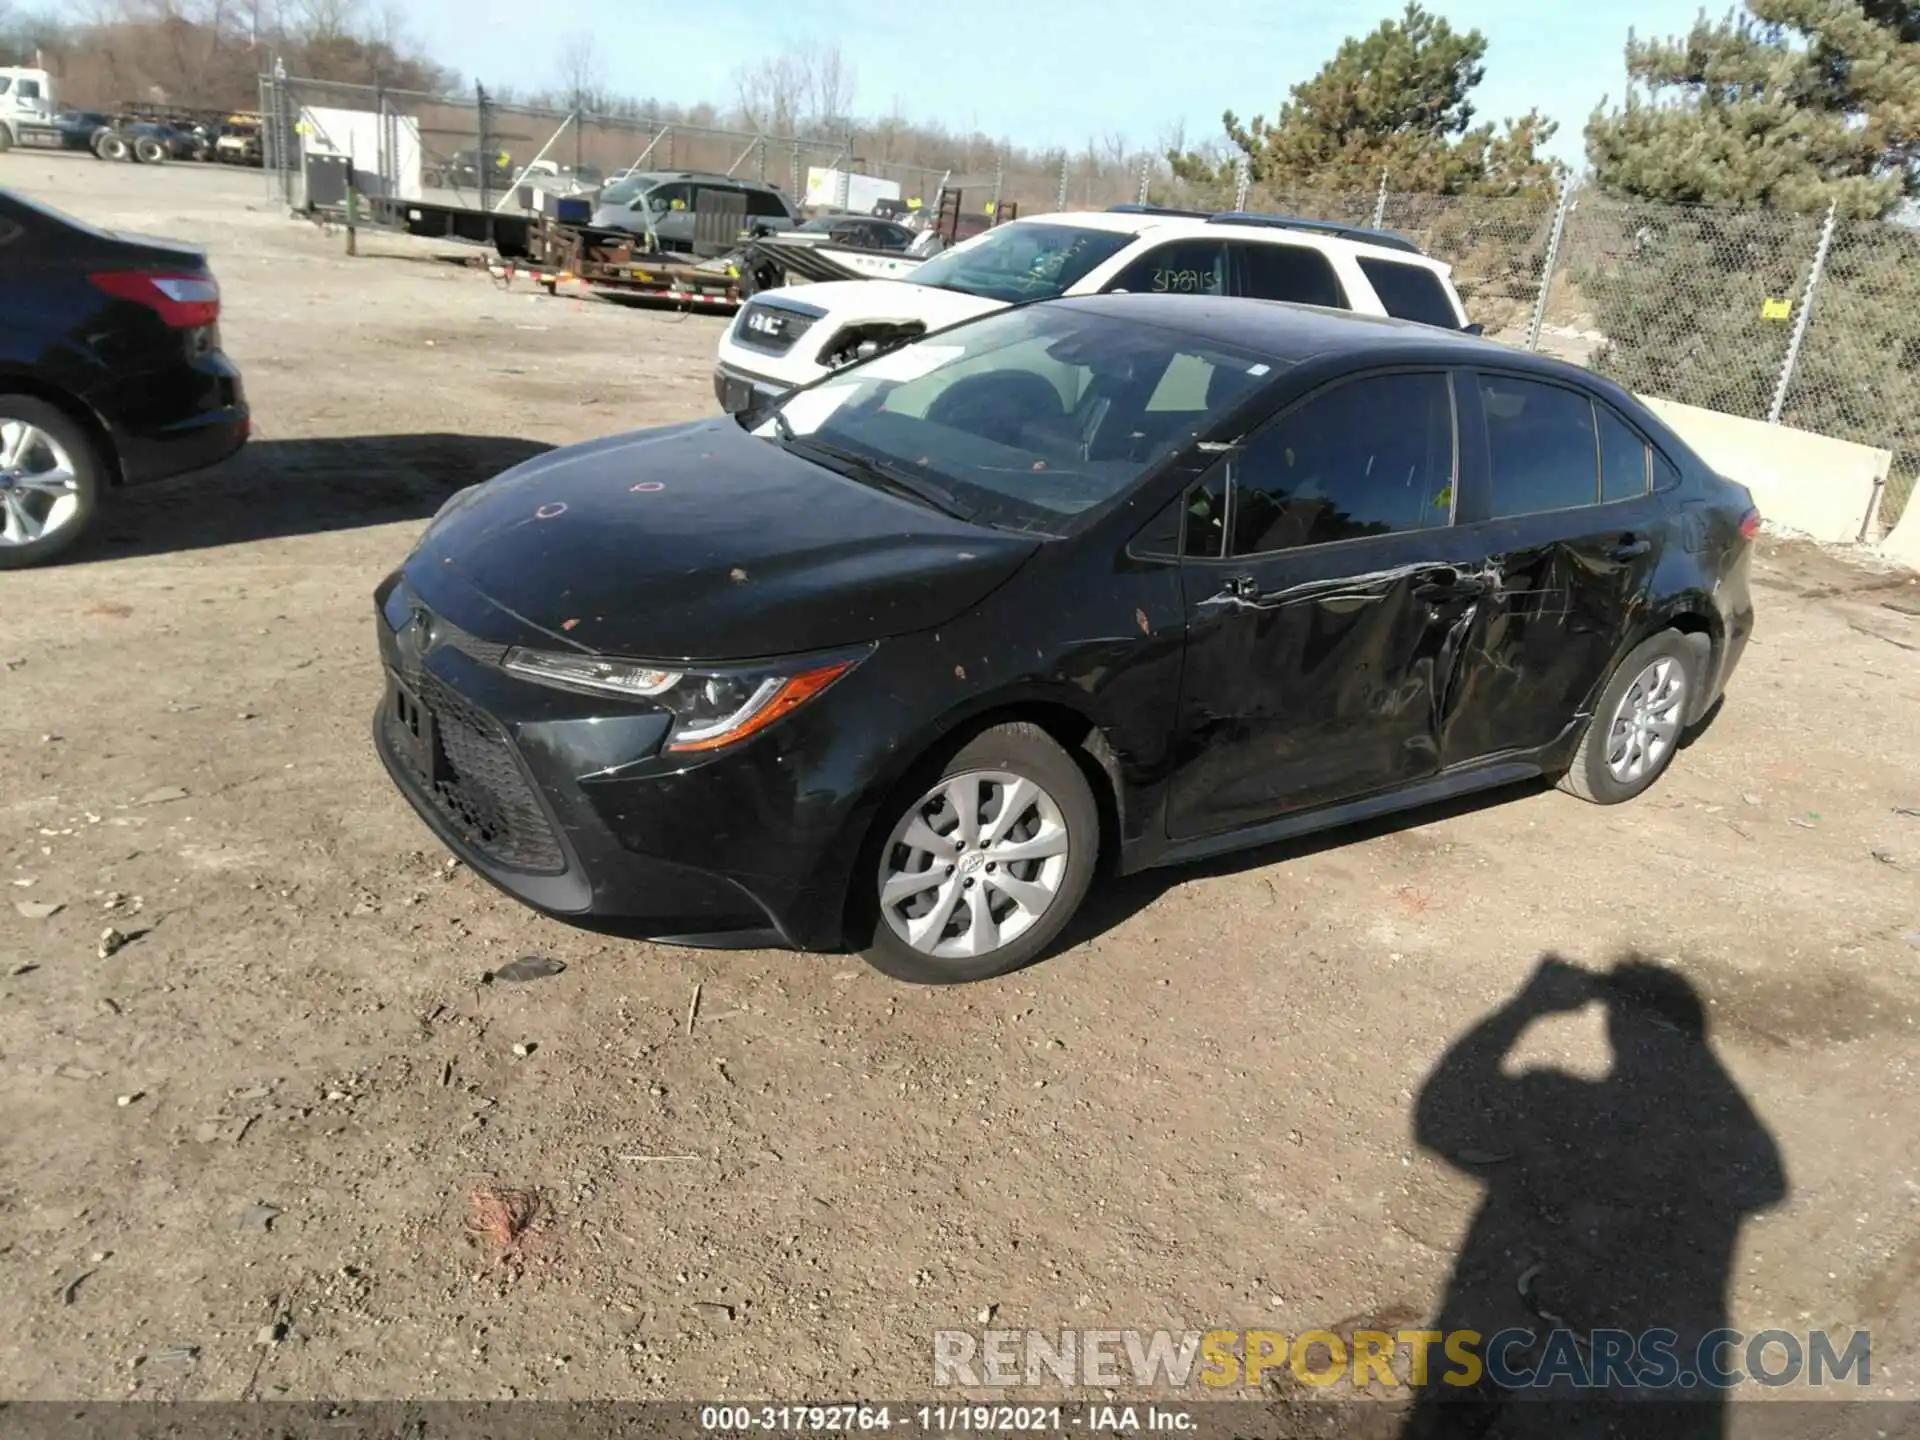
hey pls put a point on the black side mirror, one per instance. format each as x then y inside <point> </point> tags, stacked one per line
<point>1476,328</point>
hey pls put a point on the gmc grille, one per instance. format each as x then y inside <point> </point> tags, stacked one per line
<point>770,328</point>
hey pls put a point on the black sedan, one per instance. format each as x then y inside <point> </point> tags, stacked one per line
<point>1130,578</point>
<point>111,372</point>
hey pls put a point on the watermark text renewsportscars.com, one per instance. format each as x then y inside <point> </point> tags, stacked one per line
<point>1515,1359</point>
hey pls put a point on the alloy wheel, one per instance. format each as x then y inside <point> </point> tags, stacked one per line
<point>39,486</point>
<point>1646,723</point>
<point>973,864</point>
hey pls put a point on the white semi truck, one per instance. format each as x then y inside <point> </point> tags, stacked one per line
<point>26,108</point>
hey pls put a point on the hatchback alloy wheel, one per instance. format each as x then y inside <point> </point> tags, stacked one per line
<point>39,484</point>
<point>49,481</point>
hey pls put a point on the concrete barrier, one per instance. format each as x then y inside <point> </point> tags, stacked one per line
<point>1903,541</point>
<point>1821,487</point>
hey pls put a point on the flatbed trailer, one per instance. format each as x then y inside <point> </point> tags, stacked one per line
<point>555,254</point>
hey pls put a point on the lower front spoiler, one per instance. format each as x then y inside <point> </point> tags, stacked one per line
<point>649,899</point>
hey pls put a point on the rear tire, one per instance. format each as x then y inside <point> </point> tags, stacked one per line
<point>1638,724</point>
<point>149,151</point>
<point>55,445</point>
<point>112,145</point>
<point>1000,883</point>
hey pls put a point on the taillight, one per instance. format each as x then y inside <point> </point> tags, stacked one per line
<point>1750,523</point>
<point>181,301</point>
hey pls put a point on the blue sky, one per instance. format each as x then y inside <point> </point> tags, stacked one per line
<point>1054,72</point>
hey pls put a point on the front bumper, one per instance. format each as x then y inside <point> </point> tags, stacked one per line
<point>559,800</point>
<point>739,390</point>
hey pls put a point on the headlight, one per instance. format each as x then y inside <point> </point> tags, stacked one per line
<point>711,708</point>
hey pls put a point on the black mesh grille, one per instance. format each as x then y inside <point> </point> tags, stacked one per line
<point>481,791</point>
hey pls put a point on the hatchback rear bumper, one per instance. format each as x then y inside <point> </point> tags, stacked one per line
<point>187,419</point>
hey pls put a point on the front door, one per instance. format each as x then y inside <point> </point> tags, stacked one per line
<point>1573,531</point>
<point>1323,621</point>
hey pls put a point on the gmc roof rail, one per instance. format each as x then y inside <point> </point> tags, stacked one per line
<point>1133,209</point>
<point>1360,233</point>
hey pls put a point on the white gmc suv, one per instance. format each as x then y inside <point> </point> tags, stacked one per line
<point>787,337</point>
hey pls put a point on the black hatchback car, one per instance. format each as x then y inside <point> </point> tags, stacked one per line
<point>1130,577</point>
<point>111,372</point>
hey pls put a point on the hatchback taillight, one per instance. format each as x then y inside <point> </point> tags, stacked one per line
<point>181,301</point>
<point>1750,523</point>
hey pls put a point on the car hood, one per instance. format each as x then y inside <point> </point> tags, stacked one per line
<point>888,300</point>
<point>616,217</point>
<point>699,542</point>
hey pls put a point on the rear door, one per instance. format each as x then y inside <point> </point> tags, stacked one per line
<point>1324,588</point>
<point>1566,512</point>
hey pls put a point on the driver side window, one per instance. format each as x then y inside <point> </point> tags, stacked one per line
<point>1373,456</point>
<point>663,199</point>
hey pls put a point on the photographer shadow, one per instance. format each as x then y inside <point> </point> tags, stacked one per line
<point>1612,1204</point>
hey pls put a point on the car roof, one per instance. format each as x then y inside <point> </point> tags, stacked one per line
<point>1295,334</point>
<point>1161,225</point>
<point>707,177</point>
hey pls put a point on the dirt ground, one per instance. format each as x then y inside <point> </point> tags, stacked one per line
<point>1200,1115</point>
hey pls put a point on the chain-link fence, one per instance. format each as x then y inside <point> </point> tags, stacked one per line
<point>1802,320</point>
<point>470,150</point>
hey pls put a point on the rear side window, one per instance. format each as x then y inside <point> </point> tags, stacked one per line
<point>1371,457</point>
<point>1410,292</point>
<point>1186,267</point>
<point>1665,474</point>
<point>1623,458</point>
<point>1540,446</point>
<point>1290,272</point>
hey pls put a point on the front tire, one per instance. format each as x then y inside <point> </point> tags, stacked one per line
<point>1637,726</point>
<point>50,481</point>
<point>981,863</point>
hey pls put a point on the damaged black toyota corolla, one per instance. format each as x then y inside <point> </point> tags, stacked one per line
<point>1138,578</point>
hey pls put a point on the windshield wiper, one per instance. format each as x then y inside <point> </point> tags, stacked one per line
<point>886,477</point>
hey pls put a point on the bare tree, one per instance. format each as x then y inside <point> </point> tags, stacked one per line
<point>321,22</point>
<point>582,80</point>
<point>829,81</point>
<point>771,93</point>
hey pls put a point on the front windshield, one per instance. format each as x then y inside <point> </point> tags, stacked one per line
<point>1023,260</point>
<point>1029,419</point>
<point>620,192</point>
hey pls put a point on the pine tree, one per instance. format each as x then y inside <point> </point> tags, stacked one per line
<point>1396,101</point>
<point>1716,173</point>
